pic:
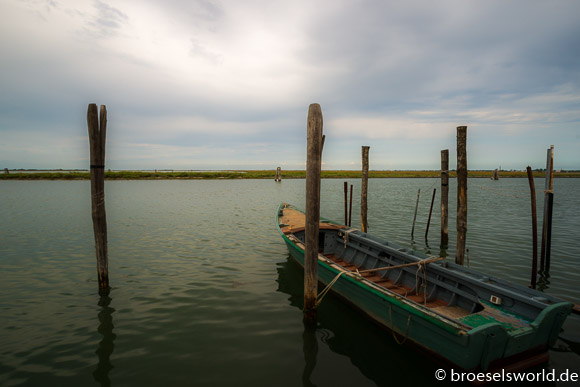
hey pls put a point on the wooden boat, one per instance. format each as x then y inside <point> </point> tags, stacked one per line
<point>471,320</point>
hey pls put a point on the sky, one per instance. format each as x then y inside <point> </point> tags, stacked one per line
<point>202,84</point>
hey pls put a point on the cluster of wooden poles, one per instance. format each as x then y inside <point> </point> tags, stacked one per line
<point>97,128</point>
<point>313,168</point>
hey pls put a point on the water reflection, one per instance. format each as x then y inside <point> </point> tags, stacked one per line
<point>351,335</point>
<point>543,281</point>
<point>107,344</point>
<point>310,349</point>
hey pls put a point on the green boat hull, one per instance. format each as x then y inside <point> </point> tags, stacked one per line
<point>488,346</point>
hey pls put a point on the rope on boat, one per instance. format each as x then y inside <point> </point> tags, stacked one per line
<point>423,268</point>
<point>393,328</point>
<point>345,236</point>
<point>327,289</point>
<point>358,275</point>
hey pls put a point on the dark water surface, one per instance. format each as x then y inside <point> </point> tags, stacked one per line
<point>203,292</point>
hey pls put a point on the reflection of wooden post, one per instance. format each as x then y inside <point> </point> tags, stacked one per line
<point>97,137</point>
<point>415,217</point>
<point>444,196</point>
<point>430,212</point>
<point>461,193</point>
<point>313,167</point>
<point>534,227</point>
<point>548,201</point>
<point>364,189</point>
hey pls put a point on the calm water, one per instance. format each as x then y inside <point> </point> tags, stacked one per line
<point>204,292</point>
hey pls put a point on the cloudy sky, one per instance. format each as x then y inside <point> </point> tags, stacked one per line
<point>203,84</point>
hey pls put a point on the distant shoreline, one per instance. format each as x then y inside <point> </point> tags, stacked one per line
<point>253,174</point>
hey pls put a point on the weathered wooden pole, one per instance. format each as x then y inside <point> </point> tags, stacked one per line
<point>313,168</point>
<point>6,172</point>
<point>97,135</point>
<point>534,228</point>
<point>364,224</point>
<point>430,212</point>
<point>548,204</point>
<point>350,208</point>
<point>346,203</point>
<point>461,193</point>
<point>444,197</point>
<point>415,217</point>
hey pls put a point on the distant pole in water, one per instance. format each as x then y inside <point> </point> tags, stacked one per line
<point>430,212</point>
<point>6,172</point>
<point>97,135</point>
<point>313,169</point>
<point>444,197</point>
<point>364,189</point>
<point>350,208</point>
<point>415,217</point>
<point>278,176</point>
<point>495,175</point>
<point>548,204</point>
<point>461,193</point>
<point>534,227</point>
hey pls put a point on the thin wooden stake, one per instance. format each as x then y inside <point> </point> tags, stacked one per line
<point>364,189</point>
<point>461,194</point>
<point>534,228</point>
<point>415,217</point>
<point>444,197</point>
<point>313,169</point>
<point>97,137</point>
<point>547,224</point>
<point>430,212</point>
<point>350,208</point>
<point>345,203</point>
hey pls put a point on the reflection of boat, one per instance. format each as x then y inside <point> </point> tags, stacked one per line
<point>471,320</point>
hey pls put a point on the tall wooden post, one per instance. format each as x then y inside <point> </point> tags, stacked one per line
<point>534,228</point>
<point>97,136</point>
<point>278,176</point>
<point>548,203</point>
<point>313,168</point>
<point>444,197</point>
<point>364,189</point>
<point>430,212</point>
<point>461,193</point>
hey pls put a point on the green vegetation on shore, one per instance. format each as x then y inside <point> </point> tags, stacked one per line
<point>262,174</point>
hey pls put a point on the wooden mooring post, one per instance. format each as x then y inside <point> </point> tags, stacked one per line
<point>278,176</point>
<point>97,127</point>
<point>534,228</point>
<point>461,193</point>
<point>313,169</point>
<point>430,212</point>
<point>444,197</point>
<point>548,206</point>
<point>364,224</point>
